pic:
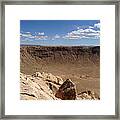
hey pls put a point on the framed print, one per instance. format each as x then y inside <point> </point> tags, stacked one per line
<point>60,60</point>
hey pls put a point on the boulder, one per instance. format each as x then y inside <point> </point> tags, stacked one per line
<point>67,91</point>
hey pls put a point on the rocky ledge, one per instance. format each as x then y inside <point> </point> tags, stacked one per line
<point>45,86</point>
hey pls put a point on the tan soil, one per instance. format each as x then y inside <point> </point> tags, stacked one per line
<point>80,64</point>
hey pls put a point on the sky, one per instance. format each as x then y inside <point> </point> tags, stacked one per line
<point>60,32</point>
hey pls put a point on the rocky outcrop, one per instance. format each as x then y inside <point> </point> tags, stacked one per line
<point>39,86</point>
<point>87,95</point>
<point>67,91</point>
<point>45,86</point>
<point>49,77</point>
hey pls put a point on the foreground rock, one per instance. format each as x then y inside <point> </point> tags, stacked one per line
<point>38,86</point>
<point>49,77</point>
<point>67,91</point>
<point>45,86</point>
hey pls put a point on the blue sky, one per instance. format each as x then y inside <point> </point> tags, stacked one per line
<point>60,32</point>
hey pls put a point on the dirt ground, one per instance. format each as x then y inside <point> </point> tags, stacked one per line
<point>80,64</point>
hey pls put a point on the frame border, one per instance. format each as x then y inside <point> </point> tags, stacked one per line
<point>55,2</point>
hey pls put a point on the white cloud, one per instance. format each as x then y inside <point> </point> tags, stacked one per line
<point>28,35</point>
<point>27,32</point>
<point>97,25</point>
<point>56,36</point>
<point>89,30</point>
<point>41,33</point>
<point>25,35</point>
<point>70,36</point>
<point>83,33</point>
<point>40,37</point>
<point>91,27</point>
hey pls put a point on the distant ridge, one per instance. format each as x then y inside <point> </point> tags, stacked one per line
<point>61,45</point>
<point>82,55</point>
